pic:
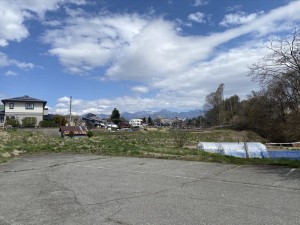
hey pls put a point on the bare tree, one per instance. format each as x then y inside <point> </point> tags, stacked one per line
<point>279,75</point>
<point>281,67</point>
<point>215,101</point>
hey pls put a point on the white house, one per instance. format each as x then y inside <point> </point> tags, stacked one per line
<point>21,107</point>
<point>135,122</point>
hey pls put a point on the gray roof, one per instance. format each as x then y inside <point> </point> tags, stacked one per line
<point>24,98</point>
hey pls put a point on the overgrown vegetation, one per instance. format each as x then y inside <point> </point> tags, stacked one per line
<point>154,144</point>
<point>179,134</point>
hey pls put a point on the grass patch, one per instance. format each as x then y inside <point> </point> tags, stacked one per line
<point>154,144</point>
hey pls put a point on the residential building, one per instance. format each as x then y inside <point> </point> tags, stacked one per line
<point>21,107</point>
<point>136,122</point>
<point>93,120</point>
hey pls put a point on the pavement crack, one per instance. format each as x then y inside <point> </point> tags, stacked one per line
<point>17,171</point>
<point>116,221</point>
<point>127,198</point>
<point>195,179</point>
<point>54,165</point>
<point>222,172</point>
<point>189,182</point>
<point>210,176</point>
<point>251,184</point>
<point>70,162</point>
<point>63,188</point>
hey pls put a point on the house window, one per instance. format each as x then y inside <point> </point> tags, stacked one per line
<point>29,106</point>
<point>11,105</point>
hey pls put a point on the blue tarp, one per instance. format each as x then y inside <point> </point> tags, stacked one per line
<point>288,154</point>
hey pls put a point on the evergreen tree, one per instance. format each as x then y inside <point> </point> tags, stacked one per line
<point>115,116</point>
<point>150,121</point>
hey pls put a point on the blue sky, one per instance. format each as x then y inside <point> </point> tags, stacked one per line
<point>135,55</point>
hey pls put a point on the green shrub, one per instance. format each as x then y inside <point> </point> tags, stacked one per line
<point>48,123</point>
<point>29,121</point>
<point>12,122</point>
<point>90,134</point>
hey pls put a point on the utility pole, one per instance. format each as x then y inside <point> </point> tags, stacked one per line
<point>70,110</point>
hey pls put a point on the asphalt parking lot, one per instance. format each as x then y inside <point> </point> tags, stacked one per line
<point>88,189</point>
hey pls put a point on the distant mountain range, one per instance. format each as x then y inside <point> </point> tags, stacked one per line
<point>160,114</point>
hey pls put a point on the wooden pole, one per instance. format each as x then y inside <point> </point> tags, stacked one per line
<point>246,150</point>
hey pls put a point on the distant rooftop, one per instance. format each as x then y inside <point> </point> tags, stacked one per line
<point>24,98</point>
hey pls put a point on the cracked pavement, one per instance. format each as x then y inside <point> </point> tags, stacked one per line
<point>90,189</point>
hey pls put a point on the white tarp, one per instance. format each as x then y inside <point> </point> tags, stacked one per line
<point>237,149</point>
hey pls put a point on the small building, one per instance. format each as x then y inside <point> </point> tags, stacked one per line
<point>136,122</point>
<point>76,131</point>
<point>21,107</point>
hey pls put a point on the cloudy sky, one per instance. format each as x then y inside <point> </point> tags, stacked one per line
<point>135,55</point>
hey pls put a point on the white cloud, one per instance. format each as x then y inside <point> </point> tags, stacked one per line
<point>183,90</point>
<point>11,23</point>
<point>153,55</point>
<point>131,48</point>
<point>10,73</point>
<point>6,61</point>
<point>197,17</point>
<point>13,14</point>
<point>64,99</point>
<point>52,23</point>
<point>180,23</point>
<point>239,18</point>
<point>22,65</point>
<point>86,43</point>
<point>233,8</point>
<point>140,89</point>
<point>80,106</point>
<point>200,2</point>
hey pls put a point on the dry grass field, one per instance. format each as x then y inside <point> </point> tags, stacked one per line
<point>152,144</point>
